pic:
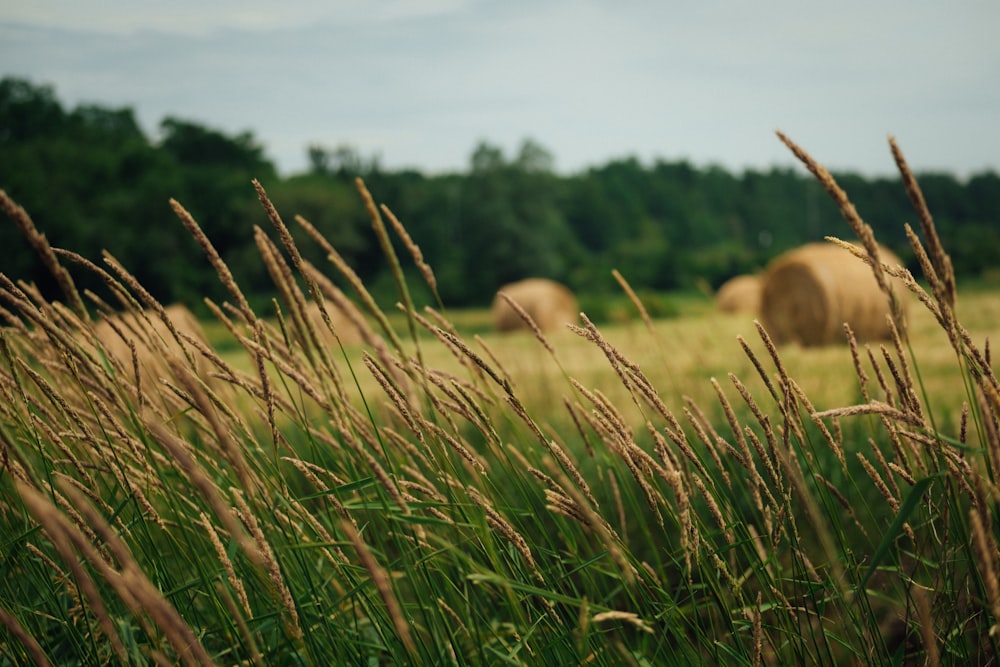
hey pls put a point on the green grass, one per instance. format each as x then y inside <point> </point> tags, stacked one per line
<point>637,495</point>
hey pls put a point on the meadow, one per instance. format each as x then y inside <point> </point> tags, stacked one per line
<point>673,491</point>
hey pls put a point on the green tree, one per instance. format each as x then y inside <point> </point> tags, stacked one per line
<point>28,111</point>
<point>79,174</point>
<point>91,180</point>
<point>215,173</point>
<point>509,225</point>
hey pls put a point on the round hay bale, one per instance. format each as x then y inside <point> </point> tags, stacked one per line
<point>810,292</point>
<point>153,341</point>
<point>740,294</point>
<point>347,330</point>
<point>550,304</point>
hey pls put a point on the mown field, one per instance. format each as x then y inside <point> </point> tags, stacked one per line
<point>676,491</point>
<point>683,353</point>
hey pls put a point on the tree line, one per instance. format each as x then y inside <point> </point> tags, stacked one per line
<point>92,180</point>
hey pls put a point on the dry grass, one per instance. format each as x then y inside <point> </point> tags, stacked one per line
<point>690,350</point>
<point>667,493</point>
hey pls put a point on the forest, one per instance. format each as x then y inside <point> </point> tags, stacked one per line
<point>93,179</point>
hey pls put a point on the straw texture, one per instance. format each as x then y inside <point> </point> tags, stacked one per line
<point>809,293</point>
<point>740,294</point>
<point>154,342</point>
<point>550,304</point>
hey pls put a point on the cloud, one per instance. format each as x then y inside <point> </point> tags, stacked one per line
<point>422,82</point>
<point>197,18</point>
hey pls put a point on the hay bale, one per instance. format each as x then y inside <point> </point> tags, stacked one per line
<point>550,304</point>
<point>347,330</point>
<point>810,292</point>
<point>154,342</point>
<point>740,294</point>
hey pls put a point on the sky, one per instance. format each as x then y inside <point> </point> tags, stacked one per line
<point>419,84</point>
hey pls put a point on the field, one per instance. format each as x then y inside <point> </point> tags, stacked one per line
<point>681,355</point>
<point>676,491</point>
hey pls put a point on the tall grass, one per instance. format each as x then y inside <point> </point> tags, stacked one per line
<point>301,502</point>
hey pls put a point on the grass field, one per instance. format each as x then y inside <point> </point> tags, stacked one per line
<point>651,492</point>
<point>682,354</point>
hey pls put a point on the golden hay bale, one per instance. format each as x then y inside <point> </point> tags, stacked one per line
<point>810,292</point>
<point>550,304</point>
<point>346,329</point>
<point>740,294</point>
<point>153,341</point>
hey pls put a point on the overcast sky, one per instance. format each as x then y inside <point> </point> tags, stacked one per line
<point>421,83</point>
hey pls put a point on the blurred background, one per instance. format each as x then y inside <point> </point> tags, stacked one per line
<point>559,139</point>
